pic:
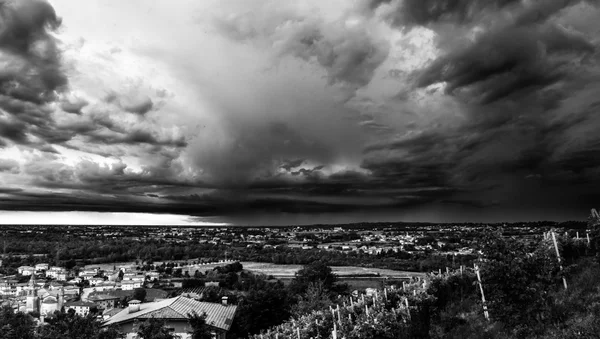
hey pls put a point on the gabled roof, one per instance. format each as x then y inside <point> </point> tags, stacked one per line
<point>217,315</point>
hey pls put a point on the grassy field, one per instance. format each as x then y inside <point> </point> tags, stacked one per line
<point>352,275</point>
<point>354,283</point>
<point>288,271</point>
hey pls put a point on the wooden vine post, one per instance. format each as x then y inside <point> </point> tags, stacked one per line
<point>485,310</point>
<point>558,258</point>
<point>588,238</point>
<point>334,333</point>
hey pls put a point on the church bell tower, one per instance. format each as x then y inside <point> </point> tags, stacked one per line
<point>33,302</point>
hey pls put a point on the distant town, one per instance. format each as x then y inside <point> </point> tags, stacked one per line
<point>106,270</point>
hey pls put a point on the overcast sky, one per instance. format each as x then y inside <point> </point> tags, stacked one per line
<point>286,112</point>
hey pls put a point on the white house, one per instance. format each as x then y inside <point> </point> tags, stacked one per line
<point>95,281</point>
<point>41,267</point>
<point>26,270</point>
<point>130,285</point>
<point>57,273</point>
<point>81,307</point>
<point>8,287</point>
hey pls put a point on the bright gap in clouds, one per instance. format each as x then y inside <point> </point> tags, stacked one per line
<point>99,218</point>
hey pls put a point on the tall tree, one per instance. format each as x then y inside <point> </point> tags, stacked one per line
<point>200,330</point>
<point>155,329</point>
<point>73,326</point>
<point>317,271</point>
<point>16,325</point>
<point>315,298</point>
<point>139,294</point>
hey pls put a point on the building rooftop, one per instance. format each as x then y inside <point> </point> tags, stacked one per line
<point>80,304</point>
<point>112,312</point>
<point>217,315</point>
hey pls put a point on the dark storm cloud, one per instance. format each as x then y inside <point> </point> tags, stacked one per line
<point>516,81</point>
<point>524,83</point>
<point>138,136</point>
<point>33,77</point>
<point>507,62</point>
<point>73,105</point>
<point>423,12</point>
<point>140,105</point>
<point>9,165</point>
<point>32,70</point>
<point>289,164</point>
<point>522,129</point>
<point>13,130</point>
<point>10,190</point>
<point>307,171</point>
<point>129,203</point>
<point>32,73</point>
<point>91,178</point>
<point>134,137</point>
<point>132,102</point>
<point>252,152</point>
<point>350,55</point>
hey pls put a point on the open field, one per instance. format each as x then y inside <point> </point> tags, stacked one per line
<point>288,271</point>
<point>356,277</point>
<point>355,283</point>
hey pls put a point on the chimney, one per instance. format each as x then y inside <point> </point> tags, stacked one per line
<point>134,306</point>
<point>224,301</point>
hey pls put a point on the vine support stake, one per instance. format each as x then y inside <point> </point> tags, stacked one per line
<point>334,333</point>
<point>558,259</point>
<point>588,238</point>
<point>485,310</point>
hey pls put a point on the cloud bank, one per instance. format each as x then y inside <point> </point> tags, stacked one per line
<point>275,110</point>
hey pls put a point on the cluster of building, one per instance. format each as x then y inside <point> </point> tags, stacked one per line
<point>42,297</point>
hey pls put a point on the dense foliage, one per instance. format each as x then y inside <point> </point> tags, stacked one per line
<point>61,325</point>
<point>521,278</point>
<point>523,284</point>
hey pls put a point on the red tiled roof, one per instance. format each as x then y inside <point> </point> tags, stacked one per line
<point>217,315</point>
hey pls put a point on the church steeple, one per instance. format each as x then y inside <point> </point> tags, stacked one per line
<point>32,289</point>
<point>33,304</point>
